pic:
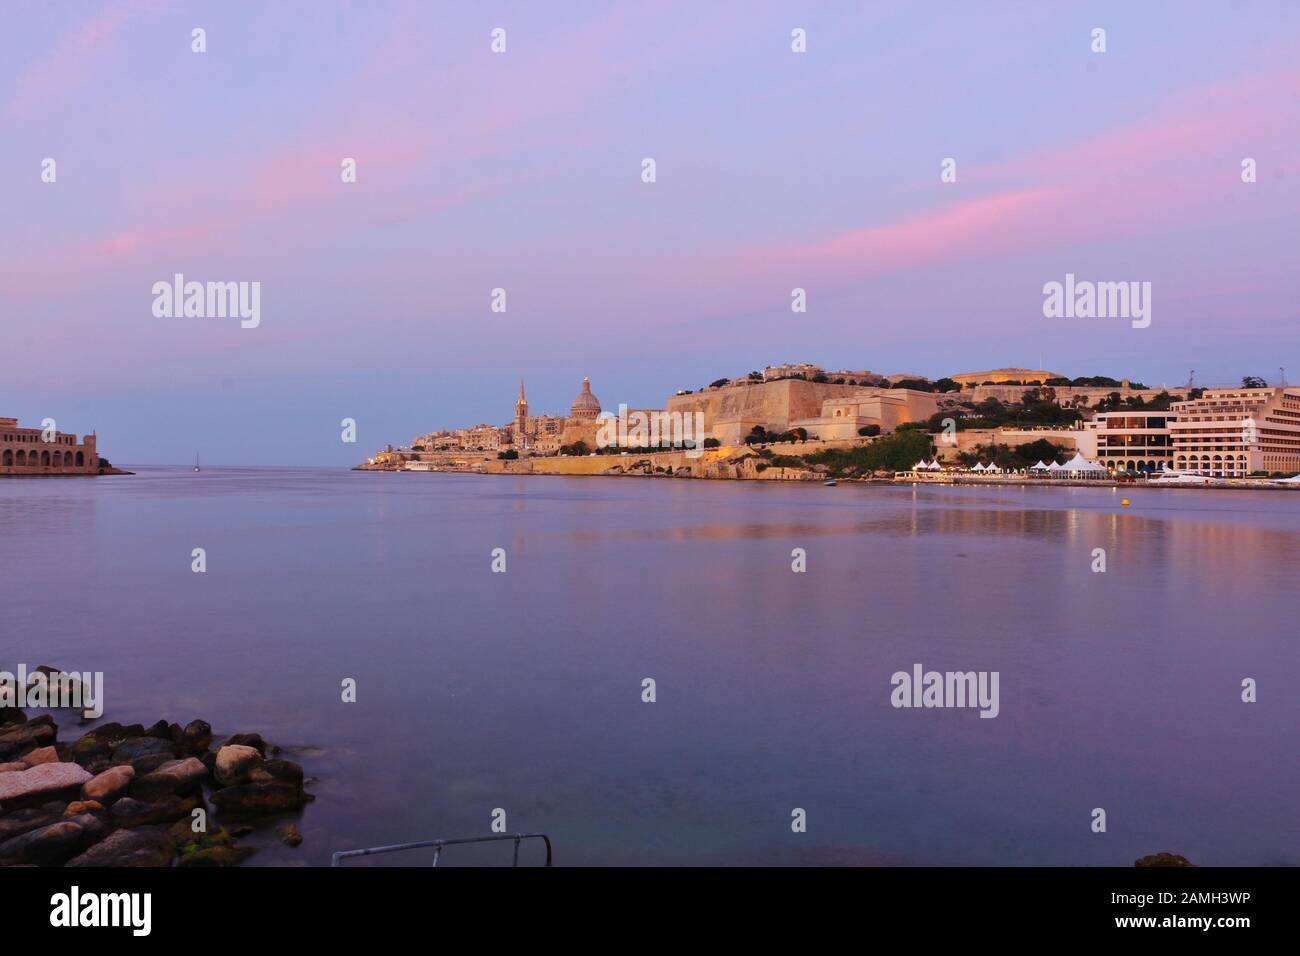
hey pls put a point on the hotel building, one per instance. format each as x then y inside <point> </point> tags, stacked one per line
<point>1231,432</point>
<point>1133,441</point>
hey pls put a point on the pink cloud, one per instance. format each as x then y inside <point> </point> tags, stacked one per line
<point>62,70</point>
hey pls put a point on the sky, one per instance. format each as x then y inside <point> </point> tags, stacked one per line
<point>522,170</point>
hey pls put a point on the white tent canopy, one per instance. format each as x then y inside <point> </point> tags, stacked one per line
<point>1079,463</point>
<point>1038,467</point>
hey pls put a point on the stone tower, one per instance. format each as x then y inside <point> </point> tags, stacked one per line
<point>521,416</point>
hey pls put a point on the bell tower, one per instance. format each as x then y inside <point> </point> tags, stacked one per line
<point>521,416</point>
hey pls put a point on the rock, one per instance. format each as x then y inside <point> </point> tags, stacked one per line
<point>175,776</point>
<point>17,767</point>
<point>40,784</point>
<point>248,740</point>
<point>274,786</point>
<point>227,854</point>
<point>150,762</point>
<point>161,730</point>
<point>135,748</point>
<point>11,715</point>
<point>289,835</point>
<point>95,765</point>
<point>186,840</point>
<point>258,799</point>
<point>101,740</point>
<point>196,737</point>
<point>41,755</point>
<point>276,771</point>
<point>59,688</point>
<point>109,785</point>
<point>144,846</point>
<point>234,761</point>
<point>52,844</point>
<point>18,739</point>
<point>1163,859</point>
<point>82,806</point>
<point>21,821</point>
<point>129,812</point>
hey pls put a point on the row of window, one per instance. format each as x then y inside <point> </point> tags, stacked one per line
<point>42,459</point>
<point>35,438</point>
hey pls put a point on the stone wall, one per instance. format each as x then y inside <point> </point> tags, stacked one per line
<point>1065,394</point>
<point>732,411</point>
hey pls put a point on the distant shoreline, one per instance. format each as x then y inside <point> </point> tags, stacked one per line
<point>1004,481</point>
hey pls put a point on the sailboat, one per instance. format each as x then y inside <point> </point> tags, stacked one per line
<point>196,461</point>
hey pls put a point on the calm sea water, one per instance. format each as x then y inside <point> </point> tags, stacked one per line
<point>522,690</point>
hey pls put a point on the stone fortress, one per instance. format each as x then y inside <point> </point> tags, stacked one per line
<point>780,399</point>
<point>27,452</point>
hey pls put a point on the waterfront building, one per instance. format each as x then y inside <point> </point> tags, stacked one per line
<point>24,451</point>
<point>1232,432</point>
<point>1133,441</point>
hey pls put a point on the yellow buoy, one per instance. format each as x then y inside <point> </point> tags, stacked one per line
<point>1124,502</point>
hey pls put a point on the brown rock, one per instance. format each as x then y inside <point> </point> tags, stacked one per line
<point>18,739</point>
<point>129,812</point>
<point>175,776</point>
<point>248,740</point>
<point>289,835</point>
<point>41,755</point>
<point>82,806</point>
<point>1163,859</point>
<point>234,762</point>
<point>109,785</point>
<point>258,799</point>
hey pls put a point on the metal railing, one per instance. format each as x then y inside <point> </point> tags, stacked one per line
<point>341,855</point>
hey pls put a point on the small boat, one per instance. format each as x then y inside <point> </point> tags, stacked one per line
<point>196,461</point>
<point>830,482</point>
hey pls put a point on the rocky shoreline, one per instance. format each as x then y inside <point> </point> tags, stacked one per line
<point>136,796</point>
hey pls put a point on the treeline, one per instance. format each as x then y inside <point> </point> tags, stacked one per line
<point>896,452</point>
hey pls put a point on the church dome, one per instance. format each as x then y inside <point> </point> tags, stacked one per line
<point>586,405</point>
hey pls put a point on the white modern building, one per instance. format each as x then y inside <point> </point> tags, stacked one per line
<point>1232,432</point>
<point>1133,441</point>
